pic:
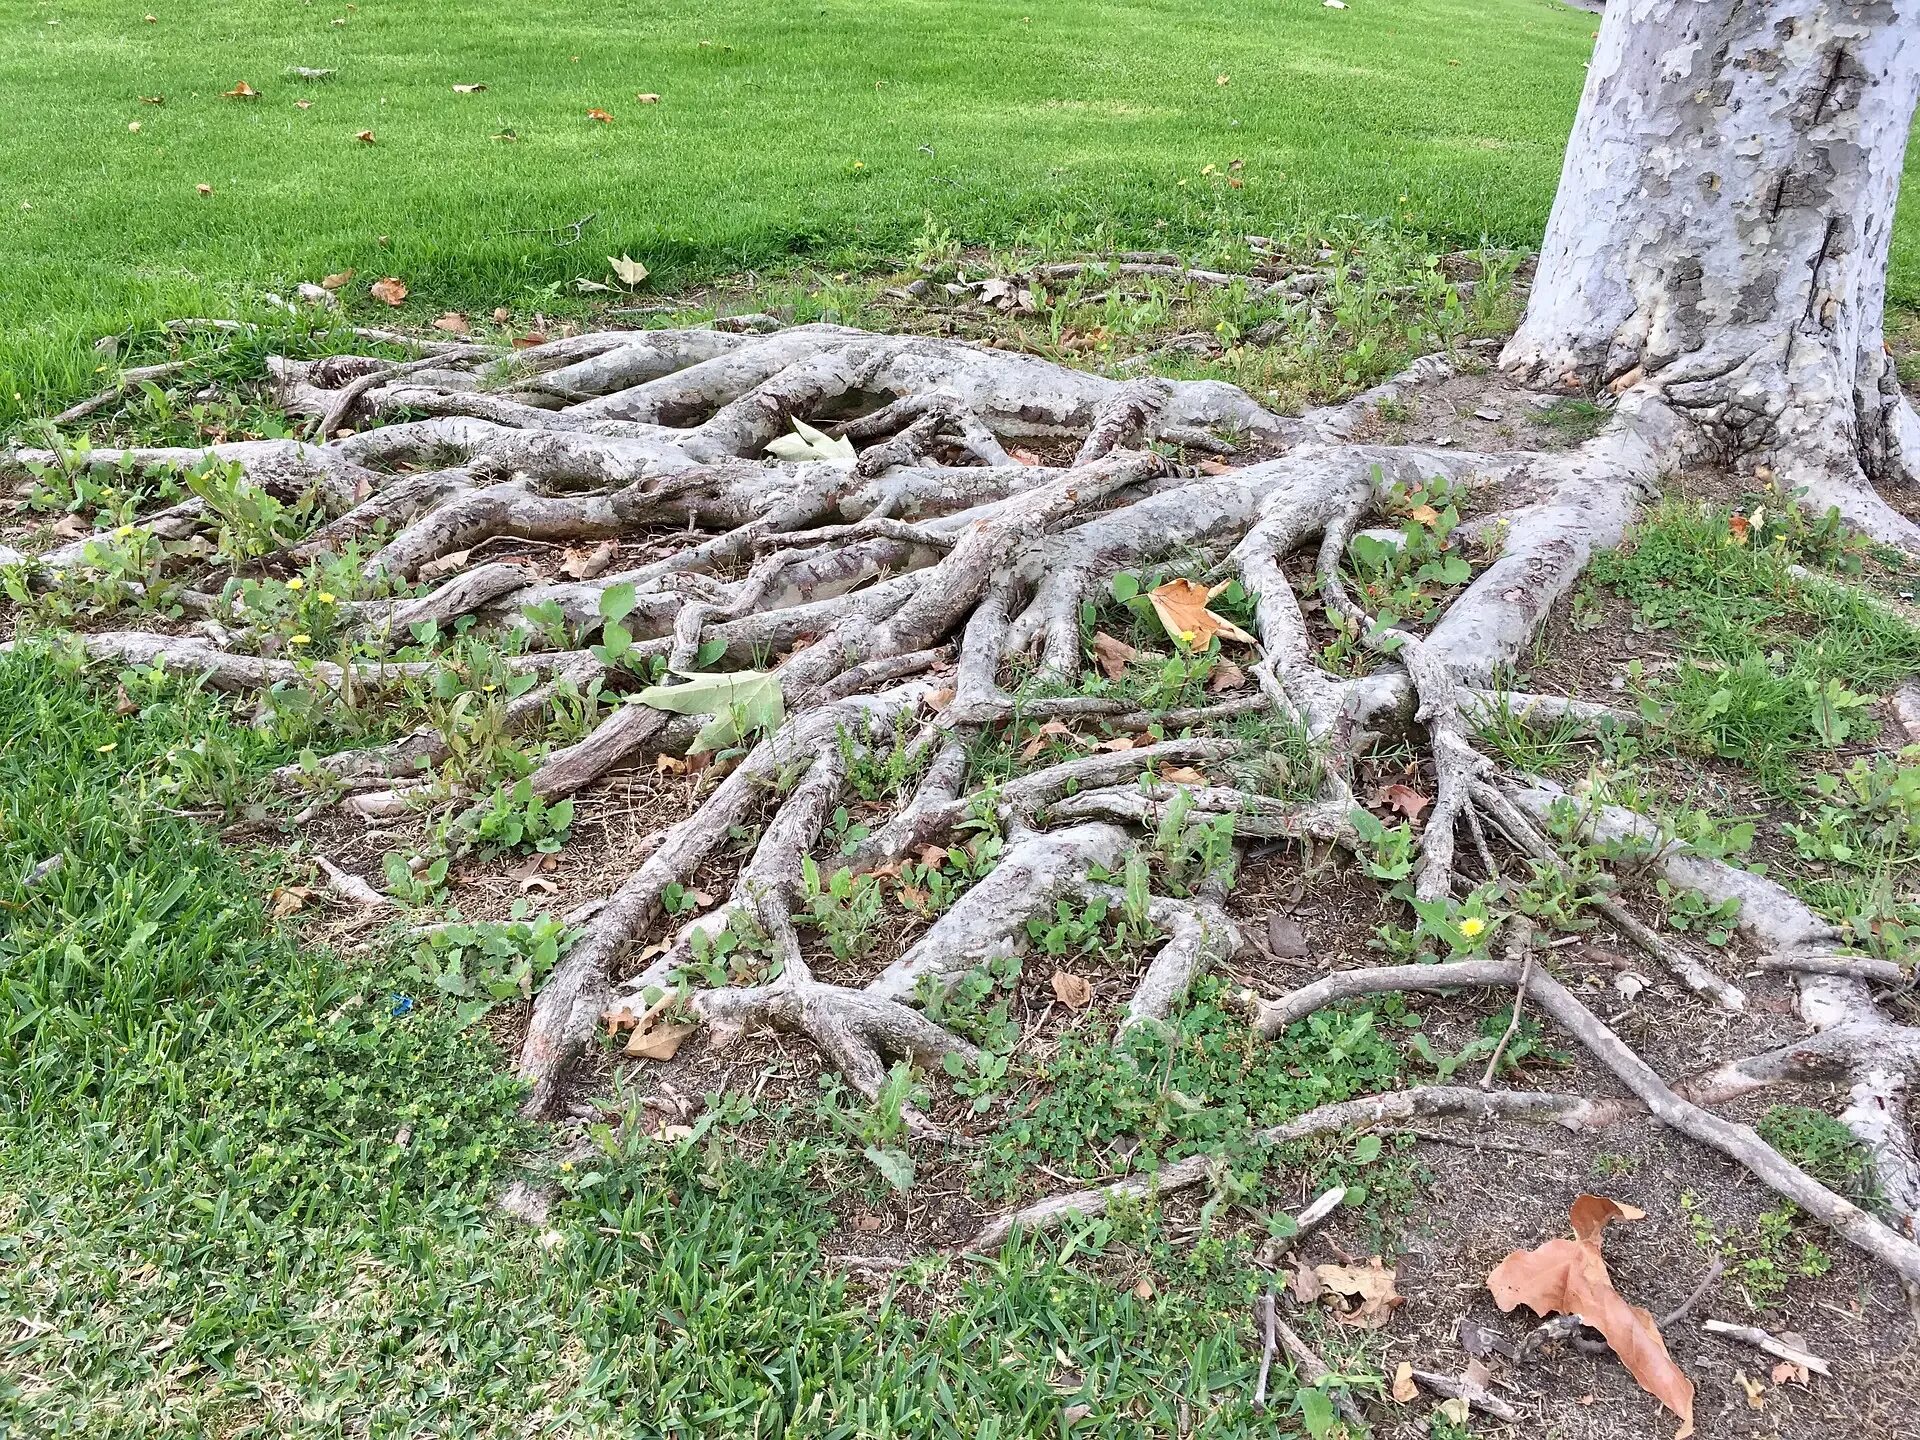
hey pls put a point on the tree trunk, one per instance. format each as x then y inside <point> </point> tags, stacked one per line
<point>1721,234</point>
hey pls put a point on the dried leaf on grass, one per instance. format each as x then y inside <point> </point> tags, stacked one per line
<point>584,564</point>
<point>1404,1389</point>
<point>1367,1290</point>
<point>389,291</point>
<point>1111,655</point>
<point>1182,607</point>
<point>1569,1277</point>
<point>1073,991</point>
<point>1183,775</point>
<point>1405,799</point>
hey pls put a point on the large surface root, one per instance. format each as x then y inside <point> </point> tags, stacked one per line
<point>910,589</point>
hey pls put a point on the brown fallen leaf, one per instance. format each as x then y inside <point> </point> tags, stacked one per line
<point>1048,731</point>
<point>1024,457</point>
<point>931,855</point>
<point>1143,1289</point>
<point>1215,467</point>
<point>1122,742</point>
<point>1287,938</point>
<point>647,97</point>
<point>1756,1390</point>
<point>585,564</point>
<point>667,764</point>
<point>938,700</point>
<point>153,99</point>
<point>1111,655</point>
<point>204,189</point>
<point>1455,1408</point>
<point>390,291</point>
<point>501,315</point>
<point>1305,1286</point>
<point>303,104</point>
<point>242,91</point>
<point>1405,799</point>
<point>600,117</point>
<point>1183,775</point>
<point>287,899</point>
<point>661,1042</point>
<point>1786,1370</point>
<point>445,565</point>
<point>365,137</point>
<point>1404,1389</point>
<point>1226,676</point>
<point>1369,1288</point>
<point>335,282</point>
<point>454,323</point>
<point>867,1222</point>
<point>1182,607</point>
<point>1569,1277</point>
<point>71,527</point>
<point>540,883</point>
<point>1423,515</point>
<point>651,1039</point>
<point>1073,991</point>
<point>529,340</point>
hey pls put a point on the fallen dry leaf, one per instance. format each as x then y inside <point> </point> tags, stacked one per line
<point>647,98</point>
<point>286,899</point>
<point>1368,1287</point>
<point>1455,1409</point>
<point>1226,676</point>
<point>529,340</point>
<point>334,282</point>
<point>1215,467</point>
<point>1756,1390</point>
<point>1569,1277</point>
<point>303,104</point>
<point>71,527</point>
<point>1073,991</point>
<point>938,700</point>
<point>390,291</point>
<point>1112,655</point>
<point>445,565</point>
<point>1404,1388</point>
<point>1786,1370</point>
<point>501,315</point>
<point>1305,1286</point>
<point>1024,457</point>
<point>1405,799</point>
<point>585,564</point>
<point>667,764</point>
<point>468,89</point>
<point>1287,938</point>
<point>242,91</point>
<point>454,323</point>
<point>600,117</point>
<point>1183,775</point>
<point>1122,742</point>
<point>204,189</point>
<point>1048,731</point>
<point>365,137</point>
<point>661,1042</point>
<point>1143,1289</point>
<point>1423,515</point>
<point>1182,607</point>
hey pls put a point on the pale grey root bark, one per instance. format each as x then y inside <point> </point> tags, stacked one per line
<point>1721,232</point>
<point>922,568</point>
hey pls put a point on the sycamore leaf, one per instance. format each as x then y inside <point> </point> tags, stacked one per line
<point>659,1042</point>
<point>600,117</point>
<point>454,323</point>
<point>1182,608</point>
<point>579,564</point>
<point>630,271</point>
<point>390,291</point>
<point>335,282</point>
<point>741,702</point>
<point>1111,655</point>
<point>1569,1277</point>
<point>1369,1288</point>
<point>242,91</point>
<point>365,137</point>
<point>1405,1391</point>
<point>1405,799</point>
<point>1072,991</point>
<point>807,443</point>
<point>1226,676</point>
<point>647,97</point>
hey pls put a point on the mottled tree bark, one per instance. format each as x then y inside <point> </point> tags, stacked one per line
<point>1721,235</point>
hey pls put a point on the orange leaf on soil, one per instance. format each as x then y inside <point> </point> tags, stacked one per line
<point>390,291</point>
<point>1182,608</point>
<point>1369,1287</point>
<point>242,91</point>
<point>1404,798</point>
<point>600,115</point>
<point>1569,1277</point>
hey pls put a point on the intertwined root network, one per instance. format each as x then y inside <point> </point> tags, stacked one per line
<point>893,584</point>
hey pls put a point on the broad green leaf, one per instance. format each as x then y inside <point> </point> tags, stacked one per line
<point>741,702</point>
<point>617,601</point>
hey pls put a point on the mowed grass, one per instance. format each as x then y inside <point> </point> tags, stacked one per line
<point>837,130</point>
<point>246,1184</point>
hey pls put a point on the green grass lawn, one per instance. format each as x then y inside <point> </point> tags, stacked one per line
<point>783,130</point>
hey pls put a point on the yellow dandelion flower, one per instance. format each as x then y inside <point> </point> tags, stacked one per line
<point>301,640</point>
<point>1472,926</point>
<point>296,583</point>
<point>326,597</point>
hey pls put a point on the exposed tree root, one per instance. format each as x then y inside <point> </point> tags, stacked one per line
<point>920,596</point>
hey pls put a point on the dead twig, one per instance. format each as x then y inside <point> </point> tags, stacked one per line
<point>1517,940</point>
<point>1773,1345</point>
